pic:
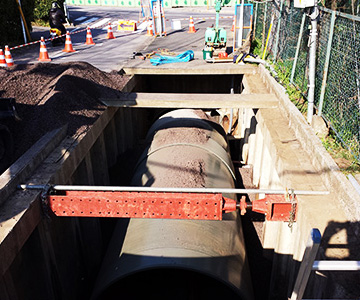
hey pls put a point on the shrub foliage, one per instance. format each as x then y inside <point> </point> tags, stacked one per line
<point>10,24</point>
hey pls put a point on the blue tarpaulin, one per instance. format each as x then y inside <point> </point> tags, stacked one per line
<point>164,59</point>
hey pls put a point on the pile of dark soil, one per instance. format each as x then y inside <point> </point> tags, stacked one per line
<point>48,96</point>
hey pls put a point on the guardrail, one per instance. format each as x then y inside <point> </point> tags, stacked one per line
<point>309,264</point>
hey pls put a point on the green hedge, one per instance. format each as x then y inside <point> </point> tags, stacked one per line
<point>10,25</point>
<point>42,7</point>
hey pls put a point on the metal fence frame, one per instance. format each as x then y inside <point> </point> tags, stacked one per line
<point>337,85</point>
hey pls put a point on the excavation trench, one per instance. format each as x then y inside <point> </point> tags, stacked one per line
<point>160,147</point>
<point>182,258</point>
<point>103,258</point>
<point>183,149</point>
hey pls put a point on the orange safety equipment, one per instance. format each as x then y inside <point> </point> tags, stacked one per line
<point>2,59</point>
<point>89,39</point>
<point>192,26</point>
<point>8,58</point>
<point>43,55</point>
<point>110,34</point>
<point>68,44</point>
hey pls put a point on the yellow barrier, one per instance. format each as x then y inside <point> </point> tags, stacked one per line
<point>127,25</point>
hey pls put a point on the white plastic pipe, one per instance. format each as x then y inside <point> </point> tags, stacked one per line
<point>166,190</point>
<point>312,63</point>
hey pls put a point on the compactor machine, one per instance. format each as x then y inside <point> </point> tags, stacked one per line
<point>215,37</point>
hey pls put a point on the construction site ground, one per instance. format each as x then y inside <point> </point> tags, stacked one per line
<point>50,96</point>
<point>67,90</point>
<point>109,55</point>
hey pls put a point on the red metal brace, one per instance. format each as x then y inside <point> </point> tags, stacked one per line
<point>141,205</point>
<point>196,206</point>
<point>275,207</point>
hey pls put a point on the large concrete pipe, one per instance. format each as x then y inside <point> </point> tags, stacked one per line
<point>179,259</point>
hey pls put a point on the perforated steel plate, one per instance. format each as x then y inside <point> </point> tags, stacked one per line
<point>138,205</point>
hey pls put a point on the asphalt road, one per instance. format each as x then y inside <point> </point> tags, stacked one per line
<point>109,55</point>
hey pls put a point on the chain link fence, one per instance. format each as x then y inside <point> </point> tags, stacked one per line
<point>337,91</point>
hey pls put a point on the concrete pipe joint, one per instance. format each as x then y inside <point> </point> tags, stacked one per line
<point>179,259</point>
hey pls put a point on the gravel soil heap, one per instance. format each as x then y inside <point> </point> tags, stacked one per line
<point>48,96</point>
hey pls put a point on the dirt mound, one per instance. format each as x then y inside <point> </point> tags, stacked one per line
<point>49,96</point>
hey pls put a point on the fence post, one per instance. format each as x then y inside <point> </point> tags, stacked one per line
<point>278,30</point>
<point>297,48</point>
<point>326,65</point>
<point>312,62</point>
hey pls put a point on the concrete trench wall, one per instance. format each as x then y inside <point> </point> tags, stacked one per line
<point>284,152</point>
<point>44,257</point>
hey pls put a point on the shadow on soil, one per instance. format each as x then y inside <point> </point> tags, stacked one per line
<point>273,275</point>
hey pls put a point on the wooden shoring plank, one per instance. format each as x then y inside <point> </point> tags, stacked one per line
<point>173,100</point>
<point>136,68</point>
<point>29,161</point>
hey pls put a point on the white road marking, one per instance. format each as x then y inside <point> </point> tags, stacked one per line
<point>101,22</point>
<point>80,18</point>
<point>57,54</point>
<point>143,26</point>
<point>113,24</point>
<point>90,20</point>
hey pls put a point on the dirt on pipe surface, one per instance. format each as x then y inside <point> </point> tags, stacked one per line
<point>48,96</point>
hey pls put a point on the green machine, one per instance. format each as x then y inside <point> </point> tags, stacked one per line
<point>214,36</point>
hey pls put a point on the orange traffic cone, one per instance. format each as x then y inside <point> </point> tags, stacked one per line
<point>150,31</point>
<point>89,39</point>
<point>233,24</point>
<point>8,58</point>
<point>110,34</point>
<point>191,26</point>
<point>2,59</point>
<point>43,56</point>
<point>68,44</point>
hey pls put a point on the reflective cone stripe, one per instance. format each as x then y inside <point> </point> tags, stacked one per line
<point>68,44</point>
<point>110,34</point>
<point>89,39</point>
<point>8,58</point>
<point>44,55</point>
<point>2,59</point>
<point>191,26</point>
<point>150,31</point>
